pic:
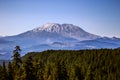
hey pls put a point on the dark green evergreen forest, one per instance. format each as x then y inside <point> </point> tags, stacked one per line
<point>96,64</point>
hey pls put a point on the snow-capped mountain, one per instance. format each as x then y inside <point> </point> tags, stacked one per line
<point>54,36</point>
<point>66,30</point>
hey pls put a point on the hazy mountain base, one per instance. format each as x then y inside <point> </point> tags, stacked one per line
<point>6,52</point>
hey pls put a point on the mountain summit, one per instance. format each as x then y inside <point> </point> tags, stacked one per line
<point>66,30</point>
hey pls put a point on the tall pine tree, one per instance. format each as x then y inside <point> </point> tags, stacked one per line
<point>16,61</point>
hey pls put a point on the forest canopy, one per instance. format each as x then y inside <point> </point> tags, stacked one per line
<point>96,64</point>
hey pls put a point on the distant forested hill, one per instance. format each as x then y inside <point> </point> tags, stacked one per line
<point>102,64</point>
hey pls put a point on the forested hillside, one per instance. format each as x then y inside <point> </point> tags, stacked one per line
<point>102,64</point>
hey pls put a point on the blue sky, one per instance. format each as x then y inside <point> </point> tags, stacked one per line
<point>101,17</point>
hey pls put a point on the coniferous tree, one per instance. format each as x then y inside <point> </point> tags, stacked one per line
<point>47,72</point>
<point>39,68</point>
<point>16,62</point>
<point>75,73</point>
<point>62,71</point>
<point>10,71</point>
<point>0,72</point>
<point>4,72</point>
<point>16,57</point>
<point>28,70</point>
<point>89,75</point>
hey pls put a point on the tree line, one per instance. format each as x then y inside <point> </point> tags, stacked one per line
<point>96,64</point>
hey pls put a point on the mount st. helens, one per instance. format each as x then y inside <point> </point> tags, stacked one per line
<point>55,36</point>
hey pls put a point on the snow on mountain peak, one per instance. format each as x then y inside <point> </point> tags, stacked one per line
<point>66,30</point>
<point>54,27</point>
<point>47,27</point>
